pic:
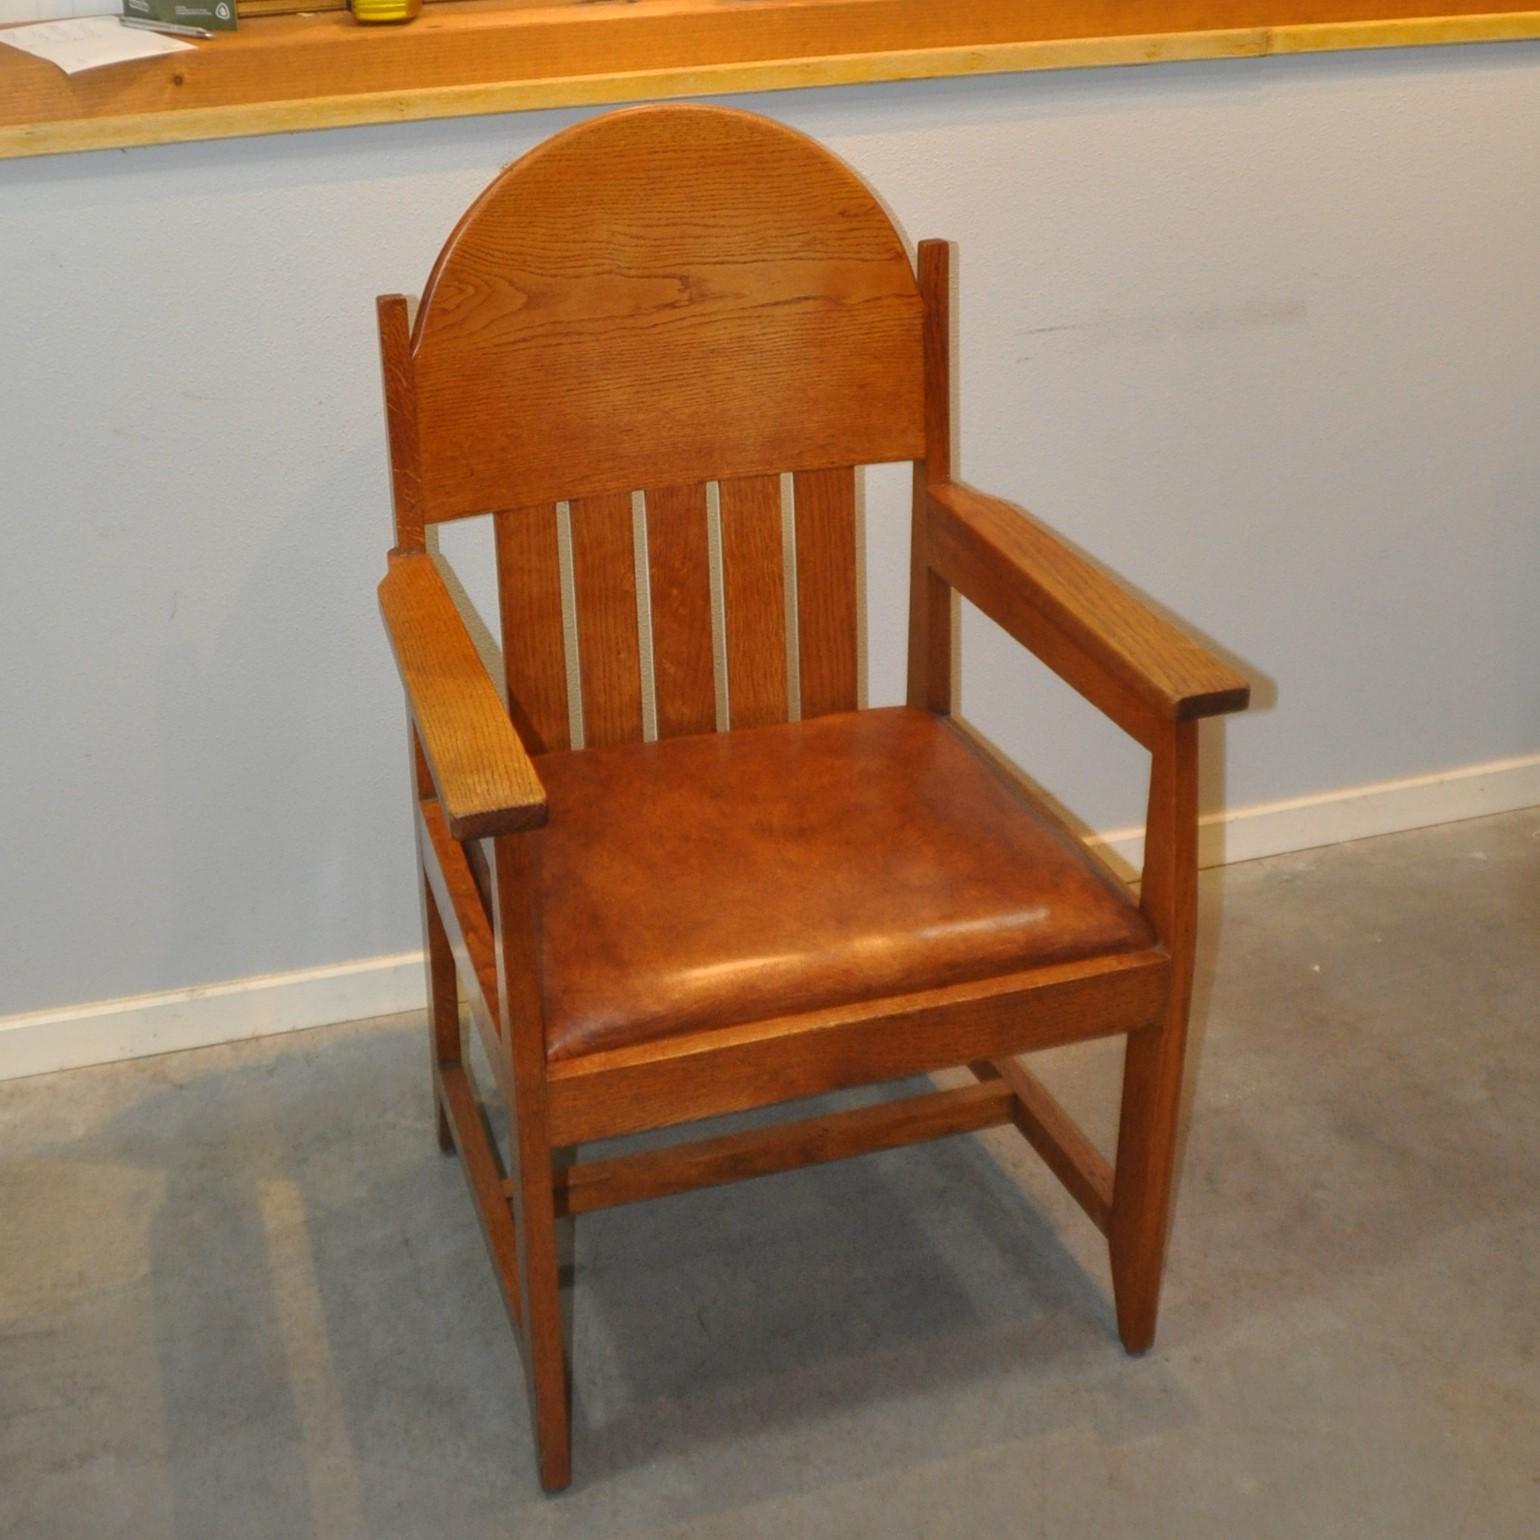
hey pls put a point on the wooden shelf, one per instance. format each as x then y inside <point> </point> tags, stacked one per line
<point>282,74</point>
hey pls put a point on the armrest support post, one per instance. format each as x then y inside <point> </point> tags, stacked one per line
<point>1169,887</point>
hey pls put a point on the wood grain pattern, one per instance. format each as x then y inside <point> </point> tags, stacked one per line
<point>284,74</point>
<point>930,598</point>
<point>515,923</point>
<point>1153,1060</point>
<point>529,604</point>
<point>725,299</point>
<point>465,918</point>
<point>825,504</point>
<point>443,1000</point>
<point>1050,1130</point>
<point>609,650</point>
<point>703,1074</point>
<point>478,857</point>
<point>484,778</point>
<point>484,1177</point>
<point>679,563</point>
<point>756,1152</point>
<point>393,314</point>
<point>1079,620</point>
<point>754,600</point>
<point>935,279</point>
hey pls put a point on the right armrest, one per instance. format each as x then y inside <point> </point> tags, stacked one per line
<point>485,780</point>
<point>1107,643</point>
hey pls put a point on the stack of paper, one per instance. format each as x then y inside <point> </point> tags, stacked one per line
<point>89,42</point>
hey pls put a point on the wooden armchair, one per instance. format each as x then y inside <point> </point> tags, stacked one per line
<point>656,919</point>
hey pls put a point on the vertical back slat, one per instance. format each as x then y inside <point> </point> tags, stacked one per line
<point>825,504</point>
<point>678,555</point>
<point>754,599</point>
<point>609,654</point>
<point>529,602</point>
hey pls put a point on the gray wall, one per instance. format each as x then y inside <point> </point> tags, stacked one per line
<point>1265,336</point>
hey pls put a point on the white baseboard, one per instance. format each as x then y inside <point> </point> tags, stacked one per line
<point>1348,813</point>
<point>71,1036</point>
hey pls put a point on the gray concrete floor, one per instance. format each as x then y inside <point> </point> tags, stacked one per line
<point>242,1295</point>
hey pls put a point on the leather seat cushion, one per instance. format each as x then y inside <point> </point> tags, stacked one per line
<point>731,877</point>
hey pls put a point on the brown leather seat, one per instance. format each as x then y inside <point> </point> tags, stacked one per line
<point>732,877</point>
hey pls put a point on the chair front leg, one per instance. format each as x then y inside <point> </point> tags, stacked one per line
<point>515,860</point>
<point>1152,1066</point>
<point>545,1345</point>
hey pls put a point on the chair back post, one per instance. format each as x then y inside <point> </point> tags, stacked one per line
<point>930,597</point>
<point>394,315</point>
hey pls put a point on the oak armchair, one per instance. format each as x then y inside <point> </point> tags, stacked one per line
<point>679,873</point>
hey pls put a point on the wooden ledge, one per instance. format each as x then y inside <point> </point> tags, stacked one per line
<point>282,74</point>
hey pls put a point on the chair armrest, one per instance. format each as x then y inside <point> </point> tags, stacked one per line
<point>485,780</point>
<point>1139,668</point>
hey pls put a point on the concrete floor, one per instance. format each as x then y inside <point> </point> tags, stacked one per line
<point>242,1295</point>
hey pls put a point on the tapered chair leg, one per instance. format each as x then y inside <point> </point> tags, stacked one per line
<point>515,882</point>
<point>545,1354</point>
<point>1152,1063</point>
<point>443,1005</point>
<point>1142,1181</point>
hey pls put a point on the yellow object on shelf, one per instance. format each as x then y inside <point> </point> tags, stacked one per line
<point>386,10</point>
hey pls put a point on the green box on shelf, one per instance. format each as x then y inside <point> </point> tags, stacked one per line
<point>213,15</point>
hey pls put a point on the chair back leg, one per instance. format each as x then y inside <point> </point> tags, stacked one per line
<point>443,1005</point>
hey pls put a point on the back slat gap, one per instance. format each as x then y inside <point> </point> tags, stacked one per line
<point>641,570</point>
<point>571,647</point>
<point>789,583</point>
<point>718,605</point>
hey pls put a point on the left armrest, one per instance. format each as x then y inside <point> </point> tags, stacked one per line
<point>485,780</point>
<point>1112,647</point>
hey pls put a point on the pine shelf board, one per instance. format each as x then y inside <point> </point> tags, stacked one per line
<point>286,74</point>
